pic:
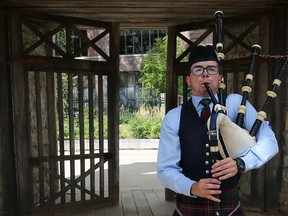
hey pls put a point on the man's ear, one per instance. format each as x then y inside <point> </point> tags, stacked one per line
<point>220,78</point>
<point>187,78</point>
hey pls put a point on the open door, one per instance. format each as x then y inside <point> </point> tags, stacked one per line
<point>65,112</point>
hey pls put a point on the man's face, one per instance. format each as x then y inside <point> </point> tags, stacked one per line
<point>196,83</point>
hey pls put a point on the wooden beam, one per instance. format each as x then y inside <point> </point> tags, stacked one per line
<point>64,65</point>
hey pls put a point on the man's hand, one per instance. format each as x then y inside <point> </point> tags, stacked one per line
<point>224,169</point>
<point>206,188</point>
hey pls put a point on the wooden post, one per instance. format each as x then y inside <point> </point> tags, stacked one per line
<point>24,182</point>
<point>7,160</point>
<point>171,85</point>
<point>171,78</point>
<point>113,110</point>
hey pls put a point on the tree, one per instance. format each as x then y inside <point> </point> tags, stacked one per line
<point>153,68</point>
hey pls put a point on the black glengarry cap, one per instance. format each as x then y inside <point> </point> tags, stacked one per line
<point>202,53</point>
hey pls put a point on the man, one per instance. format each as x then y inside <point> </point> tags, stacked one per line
<point>184,161</point>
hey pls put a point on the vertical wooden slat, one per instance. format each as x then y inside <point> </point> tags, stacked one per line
<point>101,132</point>
<point>71,135</point>
<point>61,134</point>
<point>100,113</point>
<point>52,134</point>
<point>39,135</point>
<point>81,133</point>
<point>91,132</point>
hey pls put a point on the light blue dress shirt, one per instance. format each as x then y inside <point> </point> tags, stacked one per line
<point>168,171</point>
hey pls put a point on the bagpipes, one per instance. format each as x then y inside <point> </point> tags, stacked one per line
<point>227,137</point>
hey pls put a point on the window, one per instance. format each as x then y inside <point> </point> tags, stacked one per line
<point>138,41</point>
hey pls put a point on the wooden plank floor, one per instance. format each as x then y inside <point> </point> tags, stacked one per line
<point>141,194</point>
<point>135,203</point>
<point>148,203</point>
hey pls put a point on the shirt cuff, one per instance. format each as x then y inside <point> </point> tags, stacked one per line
<point>191,194</point>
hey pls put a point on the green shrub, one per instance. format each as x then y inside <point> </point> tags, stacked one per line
<point>143,124</point>
<point>125,132</point>
<point>139,126</point>
<point>125,116</point>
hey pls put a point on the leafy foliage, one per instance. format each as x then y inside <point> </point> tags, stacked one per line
<point>154,67</point>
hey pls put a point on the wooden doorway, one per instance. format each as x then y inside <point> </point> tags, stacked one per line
<point>65,112</point>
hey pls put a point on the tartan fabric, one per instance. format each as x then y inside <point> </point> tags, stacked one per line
<point>204,207</point>
<point>205,112</point>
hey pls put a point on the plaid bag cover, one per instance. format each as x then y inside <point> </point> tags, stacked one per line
<point>230,205</point>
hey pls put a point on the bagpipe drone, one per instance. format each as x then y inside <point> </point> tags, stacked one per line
<point>234,140</point>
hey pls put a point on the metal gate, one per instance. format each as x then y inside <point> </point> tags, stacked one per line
<point>65,112</point>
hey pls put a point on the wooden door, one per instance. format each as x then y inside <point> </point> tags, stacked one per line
<point>65,112</point>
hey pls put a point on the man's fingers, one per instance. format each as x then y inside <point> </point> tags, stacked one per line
<point>213,198</point>
<point>207,188</point>
<point>213,186</point>
<point>210,181</point>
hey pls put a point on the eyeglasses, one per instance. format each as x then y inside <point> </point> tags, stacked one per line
<point>199,70</point>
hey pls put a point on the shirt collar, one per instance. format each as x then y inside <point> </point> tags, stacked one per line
<point>197,99</point>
